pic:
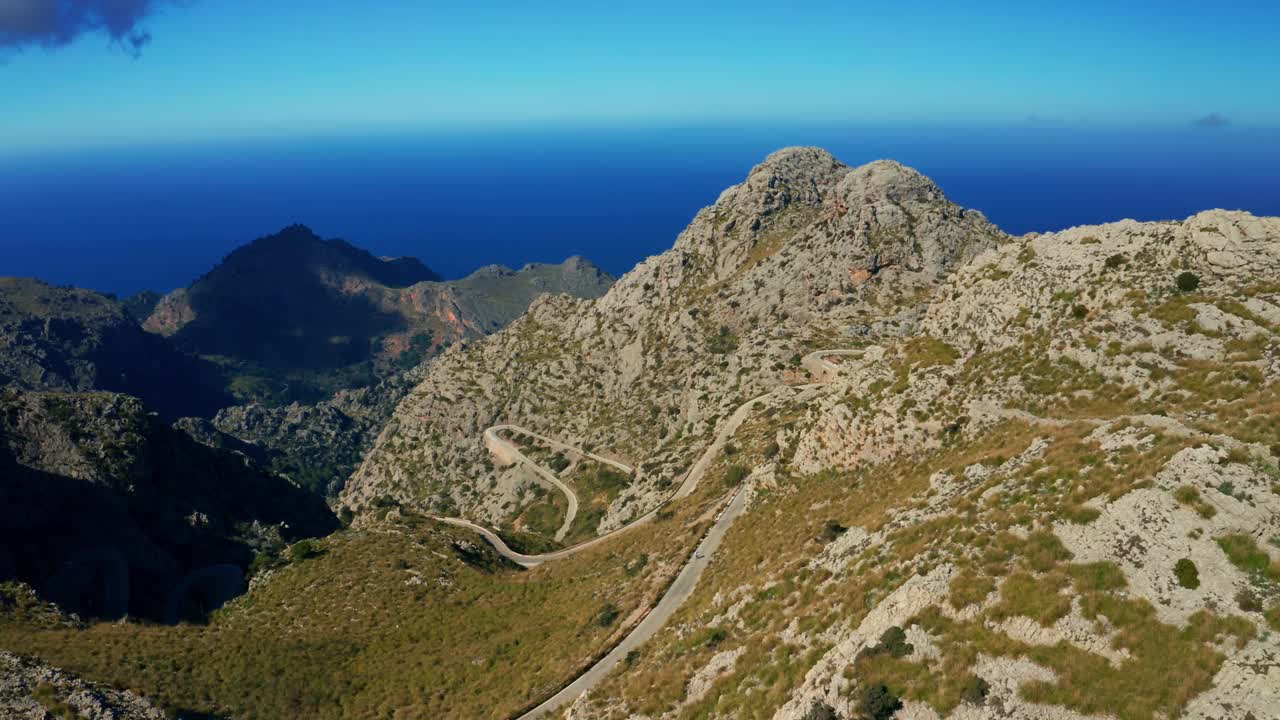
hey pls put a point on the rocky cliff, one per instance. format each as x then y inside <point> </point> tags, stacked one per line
<point>108,511</point>
<point>1056,497</point>
<point>806,249</point>
<point>986,477</point>
<point>31,690</point>
<point>294,317</point>
<point>57,338</point>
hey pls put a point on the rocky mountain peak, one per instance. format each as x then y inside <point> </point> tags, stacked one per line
<point>297,246</point>
<point>802,216</point>
<point>891,180</point>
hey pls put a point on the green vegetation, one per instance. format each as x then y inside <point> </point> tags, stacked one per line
<point>315,640</point>
<point>1188,495</point>
<point>1187,282</point>
<point>1244,553</point>
<point>892,641</point>
<point>1116,261</point>
<point>1187,574</point>
<point>723,342</point>
<point>878,703</point>
<point>925,352</point>
<point>419,349</point>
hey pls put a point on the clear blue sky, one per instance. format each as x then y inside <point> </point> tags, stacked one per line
<point>230,69</point>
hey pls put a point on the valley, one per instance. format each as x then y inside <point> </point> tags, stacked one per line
<point>846,450</point>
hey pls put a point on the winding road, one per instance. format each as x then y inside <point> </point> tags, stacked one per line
<point>825,370</point>
<point>687,579</point>
<point>675,596</point>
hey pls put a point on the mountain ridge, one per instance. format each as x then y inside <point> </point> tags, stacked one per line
<point>797,213</point>
<point>292,316</point>
<point>971,476</point>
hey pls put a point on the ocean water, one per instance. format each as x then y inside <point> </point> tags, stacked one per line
<point>157,217</point>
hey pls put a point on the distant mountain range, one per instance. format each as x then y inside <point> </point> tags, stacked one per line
<point>68,339</point>
<point>846,450</point>
<point>109,509</point>
<point>293,317</point>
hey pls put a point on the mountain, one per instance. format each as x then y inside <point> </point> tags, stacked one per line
<point>140,305</point>
<point>59,338</point>
<point>108,511</point>
<point>317,445</point>
<point>804,251</point>
<point>291,314</point>
<point>866,456</point>
<point>29,689</point>
<point>293,317</point>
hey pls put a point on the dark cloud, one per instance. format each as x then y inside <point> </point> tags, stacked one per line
<point>1213,120</point>
<point>54,23</point>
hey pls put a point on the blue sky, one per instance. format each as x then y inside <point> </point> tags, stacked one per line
<point>233,69</point>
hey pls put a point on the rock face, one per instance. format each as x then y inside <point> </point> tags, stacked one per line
<point>317,446</point>
<point>294,317</point>
<point>1060,486</point>
<point>54,338</point>
<point>105,509</point>
<point>787,256</point>
<point>30,690</point>
<point>299,293</point>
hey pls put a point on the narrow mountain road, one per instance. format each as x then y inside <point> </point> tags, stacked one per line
<point>557,445</point>
<point>686,580</point>
<point>822,369</point>
<point>671,601</point>
<point>507,452</point>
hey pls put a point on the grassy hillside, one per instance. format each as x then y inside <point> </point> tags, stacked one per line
<point>406,619</point>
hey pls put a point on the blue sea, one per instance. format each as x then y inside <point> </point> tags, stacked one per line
<point>157,217</point>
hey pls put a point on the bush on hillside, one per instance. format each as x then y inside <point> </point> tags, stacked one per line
<point>821,711</point>
<point>1188,281</point>
<point>303,550</point>
<point>975,690</point>
<point>878,702</point>
<point>832,530</point>
<point>1187,574</point>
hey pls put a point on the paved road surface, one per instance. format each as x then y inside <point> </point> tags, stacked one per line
<point>657,617</point>
<point>509,452</point>
<point>685,581</point>
<point>824,370</point>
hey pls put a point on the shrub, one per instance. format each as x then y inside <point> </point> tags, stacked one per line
<point>893,642</point>
<point>303,550</point>
<point>1188,281</point>
<point>608,614</point>
<point>714,636</point>
<point>1116,261</point>
<point>832,530</point>
<point>723,342</point>
<point>975,690</point>
<point>879,703</point>
<point>820,711</point>
<point>1079,312</point>
<point>735,474</point>
<point>772,450</point>
<point>1248,600</point>
<point>1187,574</point>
